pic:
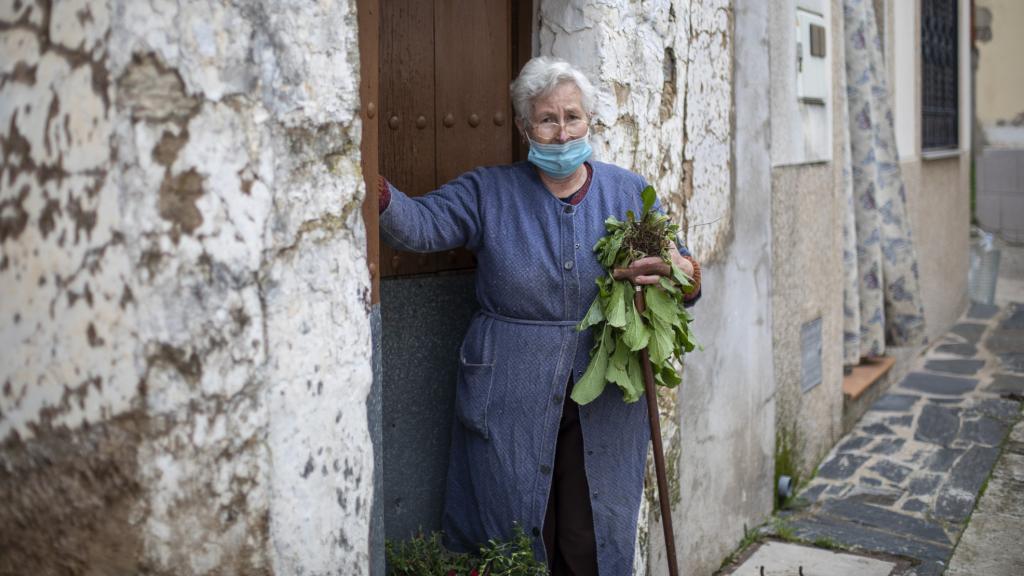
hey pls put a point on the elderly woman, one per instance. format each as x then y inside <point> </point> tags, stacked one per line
<point>522,451</point>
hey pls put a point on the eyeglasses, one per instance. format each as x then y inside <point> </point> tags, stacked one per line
<point>549,129</point>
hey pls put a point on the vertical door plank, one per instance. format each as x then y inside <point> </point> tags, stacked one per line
<point>407,123</point>
<point>472,56</point>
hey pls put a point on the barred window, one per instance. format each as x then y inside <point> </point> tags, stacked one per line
<point>939,75</point>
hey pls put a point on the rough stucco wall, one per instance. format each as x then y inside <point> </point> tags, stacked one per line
<point>186,347</point>
<point>664,72</point>
<point>807,276</point>
<point>938,201</point>
<point>806,285</point>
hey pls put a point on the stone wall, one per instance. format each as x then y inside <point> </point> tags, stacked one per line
<point>186,346</point>
<point>807,275</point>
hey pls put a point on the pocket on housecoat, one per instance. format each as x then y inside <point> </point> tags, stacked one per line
<point>476,375</point>
<point>473,395</point>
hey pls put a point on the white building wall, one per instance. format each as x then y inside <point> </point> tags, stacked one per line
<point>904,61</point>
<point>185,339</point>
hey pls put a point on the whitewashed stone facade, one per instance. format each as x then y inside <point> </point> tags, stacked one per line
<point>185,336</point>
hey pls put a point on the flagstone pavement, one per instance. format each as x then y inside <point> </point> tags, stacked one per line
<point>905,480</point>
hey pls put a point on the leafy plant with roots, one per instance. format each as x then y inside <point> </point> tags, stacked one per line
<point>620,331</point>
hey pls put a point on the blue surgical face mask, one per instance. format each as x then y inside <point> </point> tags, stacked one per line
<point>560,160</point>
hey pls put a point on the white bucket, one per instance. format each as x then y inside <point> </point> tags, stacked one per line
<point>984,269</point>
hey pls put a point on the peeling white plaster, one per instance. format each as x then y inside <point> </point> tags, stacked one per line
<point>300,57</point>
<point>79,24</point>
<point>182,242</point>
<point>12,12</point>
<point>18,47</point>
<point>709,127</point>
<point>83,135</point>
<point>66,345</point>
<point>323,460</point>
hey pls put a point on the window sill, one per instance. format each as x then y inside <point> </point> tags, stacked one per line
<point>941,154</point>
<point>865,374</point>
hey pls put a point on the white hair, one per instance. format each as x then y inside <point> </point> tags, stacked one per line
<point>540,76</point>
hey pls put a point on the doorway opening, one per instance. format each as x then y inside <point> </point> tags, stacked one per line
<point>440,107</point>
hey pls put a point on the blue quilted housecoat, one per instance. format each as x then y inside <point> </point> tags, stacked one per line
<point>535,280</point>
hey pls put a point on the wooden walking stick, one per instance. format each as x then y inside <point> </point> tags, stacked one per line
<point>659,453</point>
<point>652,411</point>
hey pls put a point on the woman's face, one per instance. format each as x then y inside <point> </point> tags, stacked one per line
<point>558,116</point>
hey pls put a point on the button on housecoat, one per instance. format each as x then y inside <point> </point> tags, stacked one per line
<point>535,280</point>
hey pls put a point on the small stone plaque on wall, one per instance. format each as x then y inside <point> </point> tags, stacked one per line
<point>810,354</point>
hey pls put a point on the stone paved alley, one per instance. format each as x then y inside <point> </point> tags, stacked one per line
<point>905,480</point>
<point>931,479</point>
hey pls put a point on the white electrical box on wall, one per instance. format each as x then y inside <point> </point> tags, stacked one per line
<point>812,75</point>
<point>801,80</point>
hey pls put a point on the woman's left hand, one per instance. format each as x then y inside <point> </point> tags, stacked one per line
<point>651,269</point>
<point>677,258</point>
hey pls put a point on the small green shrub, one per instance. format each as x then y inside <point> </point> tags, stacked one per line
<point>424,555</point>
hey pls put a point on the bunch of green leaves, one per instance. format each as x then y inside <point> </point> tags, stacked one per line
<point>620,331</point>
<point>424,555</point>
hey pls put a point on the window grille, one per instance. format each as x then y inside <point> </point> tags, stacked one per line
<point>939,75</point>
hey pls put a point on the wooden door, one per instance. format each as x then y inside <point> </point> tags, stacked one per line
<point>445,68</point>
